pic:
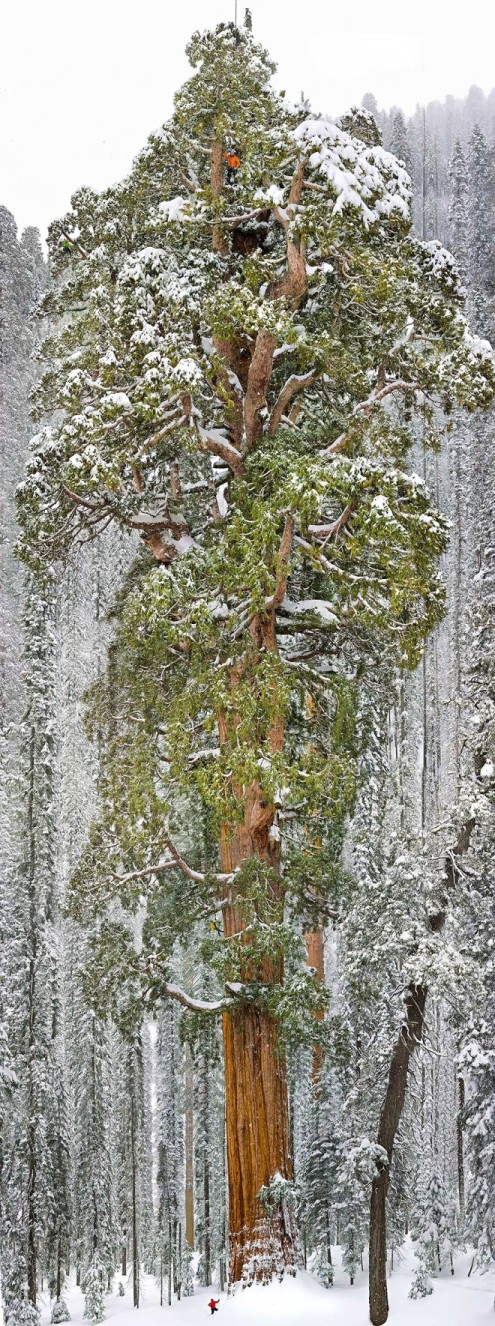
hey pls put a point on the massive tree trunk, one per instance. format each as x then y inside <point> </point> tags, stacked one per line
<point>410,1036</point>
<point>262,1239</point>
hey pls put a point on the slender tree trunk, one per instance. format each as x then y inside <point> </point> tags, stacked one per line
<point>32,1122</point>
<point>410,1036</point>
<point>189,1149</point>
<point>135,1241</point>
<point>206,1208</point>
<point>179,1262</point>
<point>315,952</point>
<point>460,1147</point>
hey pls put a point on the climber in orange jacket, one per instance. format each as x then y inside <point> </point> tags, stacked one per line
<point>233,162</point>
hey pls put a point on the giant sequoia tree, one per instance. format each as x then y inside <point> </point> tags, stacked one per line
<point>234,373</point>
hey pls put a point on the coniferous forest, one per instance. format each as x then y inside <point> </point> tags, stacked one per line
<point>247,907</point>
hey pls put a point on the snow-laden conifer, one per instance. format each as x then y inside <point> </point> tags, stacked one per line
<point>234,375</point>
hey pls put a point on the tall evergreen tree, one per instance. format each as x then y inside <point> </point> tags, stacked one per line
<point>481,175</point>
<point>238,368</point>
<point>459,209</point>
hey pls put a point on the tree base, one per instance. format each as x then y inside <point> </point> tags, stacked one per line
<point>269,1250</point>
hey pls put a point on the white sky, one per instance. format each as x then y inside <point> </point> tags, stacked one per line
<point>82,84</point>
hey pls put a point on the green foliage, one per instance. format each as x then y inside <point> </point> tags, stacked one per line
<point>237,667</point>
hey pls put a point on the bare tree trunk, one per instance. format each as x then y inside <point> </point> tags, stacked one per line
<point>219,242</point>
<point>410,1036</point>
<point>189,1149</point>
<point>135,1240</point>
<point>206,1208</point>
<point>460,1147</point>
<point>31,1131</point>
<point>261,1242</point>
<point>315,952</point>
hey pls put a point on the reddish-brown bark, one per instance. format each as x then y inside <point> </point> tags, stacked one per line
<point>315,952</point>
<point>257,1115</point>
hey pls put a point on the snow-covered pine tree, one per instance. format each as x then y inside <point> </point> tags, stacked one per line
<point>249,358</point>
<point>96,1246</point>
<point>433,1226</point>
<point>130,1148</point>
<point>209,1155</point>
<point>459,216</point>
<point>170,1175</point>
<point>39,1134</point>
<point>477,1062</point>
<point>481,209</point>
<point>399,140</point>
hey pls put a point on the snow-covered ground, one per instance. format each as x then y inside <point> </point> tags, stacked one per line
<point>457,1300</point>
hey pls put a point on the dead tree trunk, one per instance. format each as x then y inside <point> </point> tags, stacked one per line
<point>411,1034</point>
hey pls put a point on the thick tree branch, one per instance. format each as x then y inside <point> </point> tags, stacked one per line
<point>176,863</point>
<point>260,371</point>
<point>327,532</point>
<point>221,447</point>
<point>197,1005</point>
<point>284,553</point>
<point>294,384</point>
<point>196,875</point>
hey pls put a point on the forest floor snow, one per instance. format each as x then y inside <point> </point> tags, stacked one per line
<point>456,1300</point>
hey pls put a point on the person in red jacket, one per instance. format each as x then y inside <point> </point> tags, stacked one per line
<point>213,1304</point>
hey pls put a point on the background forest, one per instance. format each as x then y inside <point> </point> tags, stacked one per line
<point>113,1158</point>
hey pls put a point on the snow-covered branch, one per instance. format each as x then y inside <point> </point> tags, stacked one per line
<point>294,384</point>
<point>327,532</point>
<point>197,1005</point>
<point>366,407</point>
<point>176,862</point>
